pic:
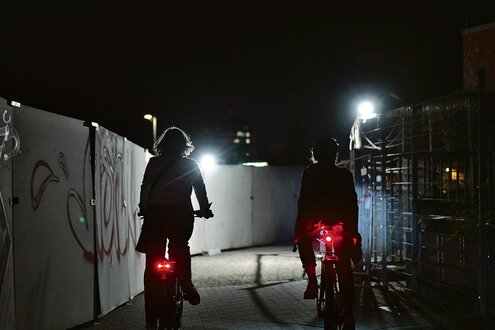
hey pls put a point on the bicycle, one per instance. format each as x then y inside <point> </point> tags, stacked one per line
<point>328,303</point>
<point>171,299</point>
<point>171,295</point>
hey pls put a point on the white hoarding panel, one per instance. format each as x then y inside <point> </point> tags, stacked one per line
<point>53,222</point>
<point>229,188</point>
<point>9,145</point>
<point>197,241</point>
<point>112,226</point>
<point>136,259</point>
<point>275,193</point>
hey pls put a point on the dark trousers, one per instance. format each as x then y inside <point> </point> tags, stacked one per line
<point>164,223</point>
<point>344,269</point>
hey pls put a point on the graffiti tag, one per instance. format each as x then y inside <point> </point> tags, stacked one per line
<point>7,133</point>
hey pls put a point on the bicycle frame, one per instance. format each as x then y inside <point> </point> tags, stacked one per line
<point>328,300</point>
<point>171,296</point>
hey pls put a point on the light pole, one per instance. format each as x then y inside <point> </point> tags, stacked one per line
<point>153,121</point>
<point>365,111</point>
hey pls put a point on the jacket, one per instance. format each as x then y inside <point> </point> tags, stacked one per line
<point>327,192</point>
<point>175,186</point>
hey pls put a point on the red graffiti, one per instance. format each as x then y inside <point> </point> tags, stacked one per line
<point>118,222</point>
<point>36,199</point>
<point>62,162</point>
<point>88,255</point>
<point>80,200</point>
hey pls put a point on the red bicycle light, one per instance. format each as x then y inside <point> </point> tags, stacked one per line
<point>163,266</point>
<point>328,238</point>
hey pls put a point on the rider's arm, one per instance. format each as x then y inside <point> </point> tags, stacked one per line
<point>200,189</point>
<point>303,205</point>
<point>145,189</point>
<point>304,195</point>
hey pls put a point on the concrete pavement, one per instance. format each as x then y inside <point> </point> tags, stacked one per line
<point>261,288</point>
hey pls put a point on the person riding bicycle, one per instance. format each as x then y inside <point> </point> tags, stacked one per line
<point>327,193</point>
<point>165,202</point>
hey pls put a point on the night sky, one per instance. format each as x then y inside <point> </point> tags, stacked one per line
<point>291,72</point>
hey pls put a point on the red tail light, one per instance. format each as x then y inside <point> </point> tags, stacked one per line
<point>328,239</point>
<point>164,266</point>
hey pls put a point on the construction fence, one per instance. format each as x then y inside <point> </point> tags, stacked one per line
<point>425,178</point>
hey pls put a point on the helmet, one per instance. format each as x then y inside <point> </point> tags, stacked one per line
<point>325,148</point>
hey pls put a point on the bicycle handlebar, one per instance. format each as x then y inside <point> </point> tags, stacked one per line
<point>199,214</point>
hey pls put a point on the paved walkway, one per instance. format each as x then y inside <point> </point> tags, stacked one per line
<point>268,301</point>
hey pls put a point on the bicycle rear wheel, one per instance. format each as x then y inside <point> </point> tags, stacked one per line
<point>330,312</point>
<point>320,299</point>
<point>171,306</point>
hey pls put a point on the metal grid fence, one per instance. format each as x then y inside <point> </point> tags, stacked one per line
<point>426,185</point>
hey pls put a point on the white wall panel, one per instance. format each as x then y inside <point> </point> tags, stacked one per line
<point>275,193</point>
<point>9,143</point>
<point>197,241</point>
<point>229,188</point>
<point>53,222</point>
<point>112,224</point>
<point>138,163</point>
<point>252,206</point>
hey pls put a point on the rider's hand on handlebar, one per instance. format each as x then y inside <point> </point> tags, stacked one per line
<point>204,214</point>
<point>207,214</point>
<point>141,210</point>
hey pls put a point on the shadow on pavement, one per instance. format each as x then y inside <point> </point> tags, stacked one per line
<point>267,293</point>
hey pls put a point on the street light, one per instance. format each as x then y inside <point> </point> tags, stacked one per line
<point>366,110</point>
<point>153,120</point>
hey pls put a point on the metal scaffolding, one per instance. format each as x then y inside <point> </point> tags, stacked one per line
<point>426,181</point>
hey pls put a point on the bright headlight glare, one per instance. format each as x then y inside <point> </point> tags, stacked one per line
<point>207,162</point>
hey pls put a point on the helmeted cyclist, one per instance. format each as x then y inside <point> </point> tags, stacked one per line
<point>328,194</point>
<point>165,202</point>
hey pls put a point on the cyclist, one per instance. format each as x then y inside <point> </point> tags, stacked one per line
<point>165,202</point>
<point>327,192</point>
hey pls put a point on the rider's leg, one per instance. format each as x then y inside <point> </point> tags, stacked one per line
<point>179,235</point>
<point>182,255</point>
<point>152,283</point>
<point>178,248</point>
<point>309,264</point>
